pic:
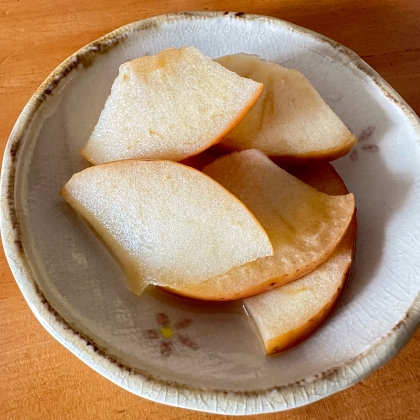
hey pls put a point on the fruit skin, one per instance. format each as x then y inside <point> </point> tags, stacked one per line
<point>269,275</point>
<point>291,123</point>
<point>117,207</point>
<point>291,161</point>
<point>323,177</point>
<point>113,138</point>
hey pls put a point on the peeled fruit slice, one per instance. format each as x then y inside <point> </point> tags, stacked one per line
<point>165,223</point>
<point>290,122</point>
<point>304,225</point>
<point>288,315</point>
<point>169,106</point>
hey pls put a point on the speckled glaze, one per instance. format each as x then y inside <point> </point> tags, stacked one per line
<point>206,356</point>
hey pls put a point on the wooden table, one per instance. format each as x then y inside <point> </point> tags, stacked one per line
<point>40,379</point>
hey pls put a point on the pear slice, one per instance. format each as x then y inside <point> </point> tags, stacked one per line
<point>166,223</point>
<point>304,225</point>
<point>288,315</point>
<point>169,106</point>
<point>290,122</point>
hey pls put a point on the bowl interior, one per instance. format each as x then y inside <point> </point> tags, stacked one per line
<point>214,345</point>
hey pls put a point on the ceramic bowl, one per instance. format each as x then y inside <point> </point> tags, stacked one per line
<point>213,362</point>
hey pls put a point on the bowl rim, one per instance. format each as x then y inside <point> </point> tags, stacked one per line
<point>273,399</point>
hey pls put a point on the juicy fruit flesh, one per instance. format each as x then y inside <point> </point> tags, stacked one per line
<point>169,106</point>
<point>304,225</point>
<point>156,219</point>
<point>286,316</point>
<point>290,119</point>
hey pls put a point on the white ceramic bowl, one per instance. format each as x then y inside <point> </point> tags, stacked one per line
<point>214,362</point>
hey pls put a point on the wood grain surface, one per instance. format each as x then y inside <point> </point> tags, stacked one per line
<point>39,378</point>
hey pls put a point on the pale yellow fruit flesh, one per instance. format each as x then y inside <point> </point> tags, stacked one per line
<point>165,223</point>
<point>304,225</point>
<point>169,106</point>
<point>286,316</point>
<point>290,121</point>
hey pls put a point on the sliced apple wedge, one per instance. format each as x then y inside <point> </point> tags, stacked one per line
<point>304,225</point>
<point>290,122</point>
<point>169,106</point>
<point>288,315</point>
<point>165,223</point>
